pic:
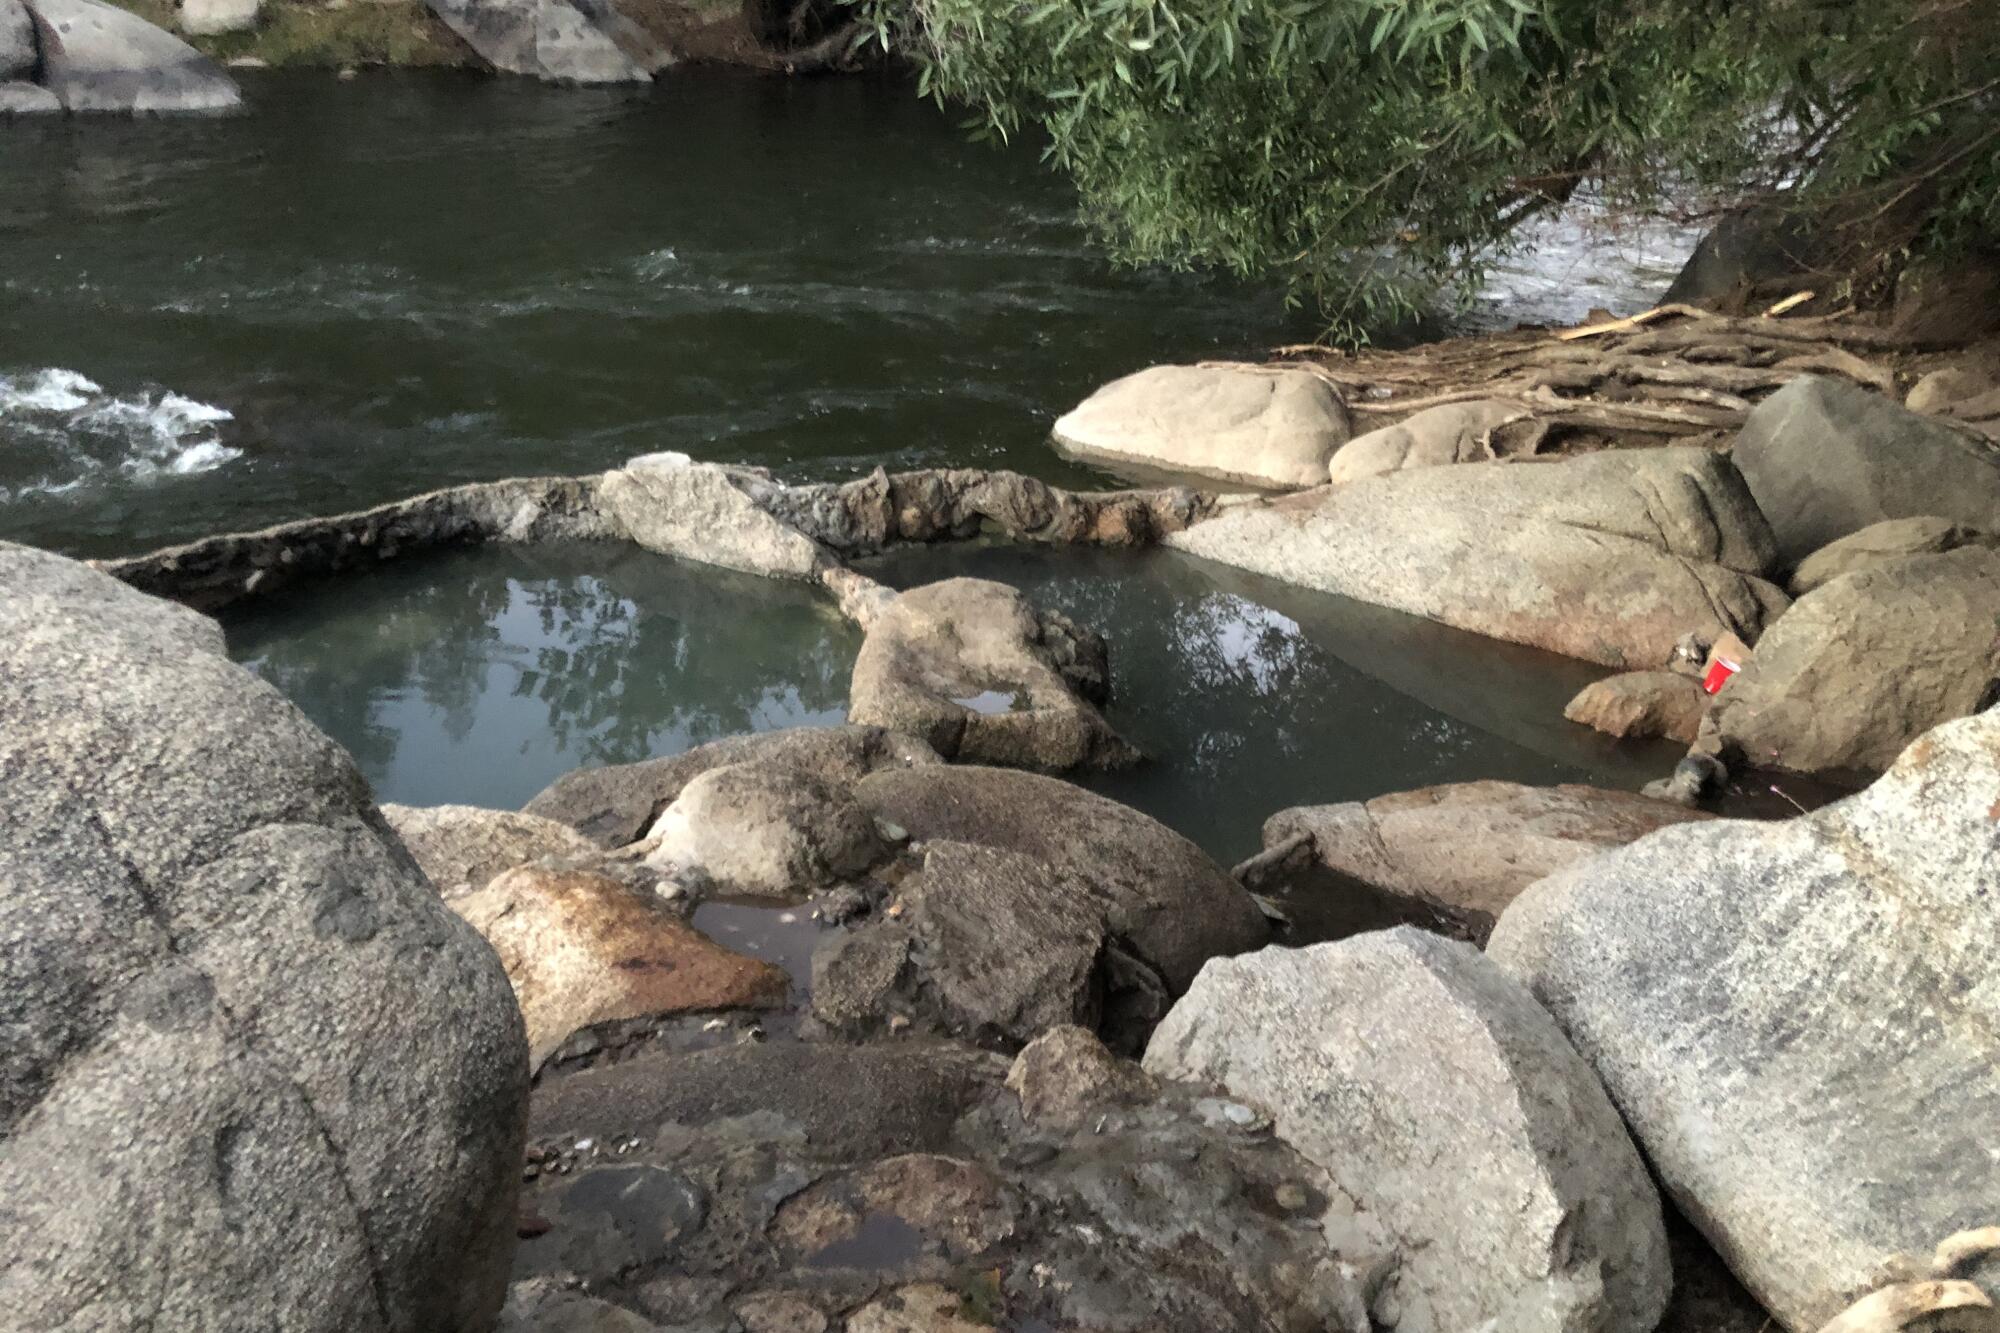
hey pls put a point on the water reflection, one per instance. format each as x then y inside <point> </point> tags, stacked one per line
<point>480,676</point>
<point>1252,696</point>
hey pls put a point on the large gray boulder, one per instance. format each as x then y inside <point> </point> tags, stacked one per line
<point>257,1075</point>
<point>1882,544</point>
<point>1235,423</point>
<point>554,40</point>
<point>97,57</point>
<point>1799,1020</point>
<point>1451,858</point>
<point>1825,458</point>
<point>1610,557</point>
<point>618,803</point>
<point>18,54</point>
<point>1864,665</point>
<point>972,667</point>
<point>1448,1107</point>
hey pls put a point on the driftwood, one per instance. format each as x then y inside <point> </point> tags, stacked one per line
<point>1672,371</point>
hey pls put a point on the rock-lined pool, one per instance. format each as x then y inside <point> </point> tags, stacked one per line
<point>479,676</point>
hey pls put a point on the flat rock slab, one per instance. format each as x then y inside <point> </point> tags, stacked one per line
<point>1233,423</point>
<point>97,57</point>
<point>1799,1019</point>
<point>973,668</point>
<point>552,40</point>
<point>1826,459</point>
<point>1865,664</point>
<point>616,804</point>
<point>1451,858</point>
<point>1638,704</point>
<point>256,1074</point>
<point>1448,1107</point>
<point>1610,557</point>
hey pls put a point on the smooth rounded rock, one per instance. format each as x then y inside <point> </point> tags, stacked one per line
<point>97,57</point>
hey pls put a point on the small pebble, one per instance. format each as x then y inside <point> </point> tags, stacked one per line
<point>1238,1114</point>
<point>1291,1196</point>
<point>897,1023</point>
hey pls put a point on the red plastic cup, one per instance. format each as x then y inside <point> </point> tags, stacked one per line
<point>1719,672</point>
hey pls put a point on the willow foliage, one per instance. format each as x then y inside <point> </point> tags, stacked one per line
<point>1376,152</point>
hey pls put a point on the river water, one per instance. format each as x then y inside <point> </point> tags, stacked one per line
<point>366,289</point>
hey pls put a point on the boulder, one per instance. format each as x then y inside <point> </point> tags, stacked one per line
<point>1884,543</point>
<point>1610,557</point>
<point>1451,433</point>
<point>97,57</point>
<point>1799,1019</point>
<point>974,669</point>
<point>766,829</point>
<point>1451,858</point>
<point>1866,664</point>
<point>1446,1105</point>
<point>706,513</point>
<point>1066,1078</point>
<point>461,847</point>
<point>554,40</point>
<point>1234,423</point>
<point>1940,390</point>
<point>582,949</point>
<point>1637,704</point>
<point>1172,905</point>
<point>18,53</point>
<point>1825,459</point>
<point>1752,254</point>
<point>26,99</point>
<point>257,1076</point>
<point>207,18</point>
<point>615,805</point>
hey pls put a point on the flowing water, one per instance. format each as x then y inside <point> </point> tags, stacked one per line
<point>365,289</point>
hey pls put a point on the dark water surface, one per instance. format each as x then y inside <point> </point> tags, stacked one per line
<point>366,289</point>
<point>480,676</point>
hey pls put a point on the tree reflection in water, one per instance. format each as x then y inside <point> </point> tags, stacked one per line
<point>480,676</point>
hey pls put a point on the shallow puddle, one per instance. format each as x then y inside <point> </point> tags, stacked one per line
<point>779,934</point>
<point>480,676</point>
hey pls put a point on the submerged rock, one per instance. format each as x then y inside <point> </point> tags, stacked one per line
<point>1610,557</point>
<point>1637,704</point>
<point>1798,1019</point>
<point>1235,423</point>
<point>462,847</point>
<point>1435,437</point>
<point>1451,858</point>
<point>554,40</point>
<point>1826,459</point>
<point>1884,543</point>
<point>582,949</point>
<point>257,1075</point>
<point>97,57</point>
<point>615,805</point>
<point>1447,1107</point>
<point>1867,663</point>
<point>974,669</point>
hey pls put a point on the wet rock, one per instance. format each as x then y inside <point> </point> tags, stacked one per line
<point>97,57</point>
<point>616,1217</point>
<point>582,949</point>
<point>461,847</point>
<point>1610,557</point>
<point>27,99</point>
<point>1066,1078</point>
<point>780,1312</point>
<point>1451,858</point>
<point>1883,543</point>
<point>1826,459</point>
<point>1235,423</point>
<point>539,1305</point>
<point>1161,895</point>
<point>616,804</point>
<point>553,40</point>
<point>207,18</point>
<point>1434,437</point>
<point>971,667</point>
<point>247,1046</point>
<point>1867,663</point>
<point>1444,1102</point>
<point>1638,704</point>
<point>706,513</point>
<point>887,1213</point>
<point>1797,1019</point>
<point>18,55</point>
<point>767,829</point>
<point>923,1307</point>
